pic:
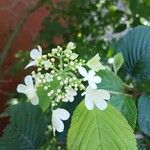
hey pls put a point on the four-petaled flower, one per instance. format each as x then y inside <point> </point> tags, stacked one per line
<point>70,93</point>
<point>90,77</point>
<point>34,54</point>
<point>29,90</point>
<point>58,115</point>
<point>96,97</point>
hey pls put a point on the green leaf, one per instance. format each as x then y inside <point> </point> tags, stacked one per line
<point>144,113</point>
<point>135,47</point>
<point>126,105</point>
<point>44,99</point>
<point>26,128</point>
<point>100,130</point>
<point>110,81</point>
<point>118,62</point>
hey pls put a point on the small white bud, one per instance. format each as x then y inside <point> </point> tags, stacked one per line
<point>61,83</point>
<point>58,90</point>
<point>52,91</point>
<point>39,69</point>
<point>66,81</point>
<point>65,65</point>
<point>52,59</point>
<point>49,94</point>
<point>45,87</point>
<point>59,78</point>
<point>67,55</point>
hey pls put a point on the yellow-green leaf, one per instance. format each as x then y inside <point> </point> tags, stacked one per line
<point>100,130</point>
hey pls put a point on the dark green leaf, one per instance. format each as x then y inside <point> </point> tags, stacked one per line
<point>144,113</point>
<point>126,105</point>
<point>26,128</point>
<point>135,47</point>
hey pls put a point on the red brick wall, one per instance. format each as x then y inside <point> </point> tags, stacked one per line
<point>10,12</point>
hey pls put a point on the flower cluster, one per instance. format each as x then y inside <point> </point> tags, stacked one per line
<point>61,74</point>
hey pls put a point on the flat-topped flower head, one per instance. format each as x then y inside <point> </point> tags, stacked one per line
<point>96,98</point>
<point>29,90</point>
<point>70,93</point>
<point>90,77</point>
<point>34,54</point>
<point>58,115</point>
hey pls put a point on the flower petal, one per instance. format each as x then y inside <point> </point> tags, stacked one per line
<point>82,71</point>
<point>89,103</point>
<point>71,45</point>
<point>62,114</point>
<point>91,73</point>
<point>92,85</point>
<point>35,53</point>
<point>28,80</point>
<point>35,100</point>
<point>103,94</point>
<point>40,49</point>
<point>32,63</point>
<point>84,93</point>
<point>65,99</point>
<point>101,104</point>
<point>74,56</point>
<point>97,79</point>
<point>57,123</point>
<point>21,88</point>
<point>71,99</point>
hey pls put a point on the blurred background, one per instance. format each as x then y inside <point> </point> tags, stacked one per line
<point>94,25</point>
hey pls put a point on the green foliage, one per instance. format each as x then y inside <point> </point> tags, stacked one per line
<point>21,62</point>
<point>94,26</point>
<point>142,8</point>
<point>26,128</point>
<point>44,99</point>
<point>126,105</point>
<point>135,48</point>
<point>118,62</point>
<point>110,81</point>
<point>144,113</point>
<point>91,130</point>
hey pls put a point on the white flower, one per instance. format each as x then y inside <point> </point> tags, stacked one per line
<point>34,54</point>
<point>95,64</point>
<point>90,77</point>
<point>120,5</point>
<point>28,90</point>
<point>74,56</point>
<point>58,115</point>
<point>96,97</point>
<point>48,77</point>
<point>47,64</point>
<point>70,93</point>
<point>108,36</point>
<point>71,45</point>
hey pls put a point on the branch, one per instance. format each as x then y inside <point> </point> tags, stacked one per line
<point>17,28</point>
